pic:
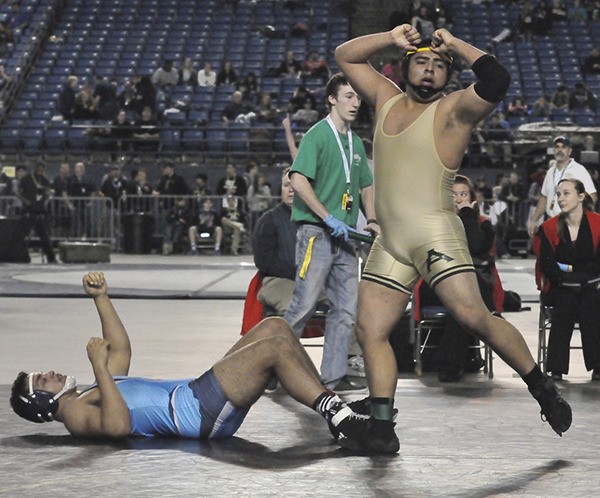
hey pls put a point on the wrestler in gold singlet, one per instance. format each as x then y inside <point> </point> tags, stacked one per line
<point>421,234</point>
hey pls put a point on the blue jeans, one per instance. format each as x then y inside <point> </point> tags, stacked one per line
<point>333,265</point>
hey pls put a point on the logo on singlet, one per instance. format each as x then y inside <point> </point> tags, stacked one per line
<point>433,257</point>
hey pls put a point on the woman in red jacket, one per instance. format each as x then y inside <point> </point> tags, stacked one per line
<point>570,261</point>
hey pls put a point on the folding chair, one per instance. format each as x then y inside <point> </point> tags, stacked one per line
<point>429,320</point>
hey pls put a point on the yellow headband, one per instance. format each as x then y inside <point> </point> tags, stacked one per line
<point>428,49</point>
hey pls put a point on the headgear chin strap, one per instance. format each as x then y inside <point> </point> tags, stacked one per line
<point>40,406</point>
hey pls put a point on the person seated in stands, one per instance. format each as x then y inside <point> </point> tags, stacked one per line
<point>207,224</point>
<point>146,132</point>
<point>541,107</point>
<point>166,76</point>
<point>582,98</point>
<point>231,184</point>
<point>66,99</point>
<point>128,98</point>
<point>250,88</point>
<point>200,190</point>
<point>105,95</point>
<point>212,406</point>
<point>518,107</point>
<point>207,77</point>
<point>300,96</point>
<point>290,67</point>
<point>307,116</point>
<point>187,74</point>
<point>237,110</point>
<point>393,71</point>
<point>233,222</point>
<point>85,104</point>
<point>258,198</point>
<point>178,219</point>
<point>316,67</point>
<point>542,19</point>
<point>499,138</point>
<point>591,64</point>
<point>227,75</point>
<point>266,112</point>
<point>121,132</point>
<point>569,260</point>
<point>458,352</point>
<point>146,92</point>
<point>560,98</point>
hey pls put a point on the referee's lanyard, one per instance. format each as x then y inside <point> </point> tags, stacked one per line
<point>346,198</point>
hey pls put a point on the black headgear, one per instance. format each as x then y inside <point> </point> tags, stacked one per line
<point>36,406</point>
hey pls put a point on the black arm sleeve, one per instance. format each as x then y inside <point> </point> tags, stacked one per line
<point>493,77</point>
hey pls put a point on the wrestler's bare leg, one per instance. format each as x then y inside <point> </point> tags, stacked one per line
<point>460,295</point>
<point>379,309</point>
<point>268,349</point>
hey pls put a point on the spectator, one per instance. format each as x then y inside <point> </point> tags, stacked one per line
<point>517,107</point>
<point>6,37</point>
<point>499,139</point>
<point>85,104</point>
<point>307,116</point>
<point>562,166</point>
<point>231,184</point>
<point>233,222</point>
<point>187,73</point>
<point>249,88</point>
<point>121,133</point>
<point>165,77</point>
<point>526,22</point>
<point>66,99</point>
<point>560,99</point>
<point>423,22</point>
<point>290,67</point>
<point>146,92</point>
<point>34,192</point>
<point>178,220</point>
<point>266,112</point>
<point>207,77</point>
<point>207,224</point>
<point>513,194</point>
<point>542,19</point>
<point>591,64</point>
<point>258,197</point>
<point>541,107</point>
<point>582,98</point>
<point>200,190</point>
<point>316,66</point>
<point>105,96</point>
<point>569,260</point>
<point>441,16</point>
<point>559,11</point>
<point>146,134</point>
<point>129,100</point>
<point>114,186</point>
<point>237,110</point>
<point>393,71</point>
<point>170,185</point>
<point>138,190</point>
<point>454,83</point>
<point>227,75</point>
<point>301,94</point>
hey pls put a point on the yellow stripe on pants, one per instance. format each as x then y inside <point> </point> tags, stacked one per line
<point>307,257</point>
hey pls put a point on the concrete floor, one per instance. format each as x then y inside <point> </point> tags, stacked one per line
<point>476,438</point>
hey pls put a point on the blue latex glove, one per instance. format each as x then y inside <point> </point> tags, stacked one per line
<point>337,227</point>
<point>563,266</point>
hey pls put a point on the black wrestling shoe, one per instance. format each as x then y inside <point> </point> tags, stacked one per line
<point>555,410</point>
<point>345,424</point>
<point>379,438</point>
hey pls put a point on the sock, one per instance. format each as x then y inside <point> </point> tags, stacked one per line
<point>535,377</point>
<point>382,408</point>
<point>325,402</point>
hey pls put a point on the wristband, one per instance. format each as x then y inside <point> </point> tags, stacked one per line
<point>372,220</point>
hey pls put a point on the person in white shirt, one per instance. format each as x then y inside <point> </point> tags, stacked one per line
<point>207,77</point>
<point>562,166</point>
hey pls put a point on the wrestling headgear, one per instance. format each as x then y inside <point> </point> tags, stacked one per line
<point>425,92</point>
<point>38,406</point>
